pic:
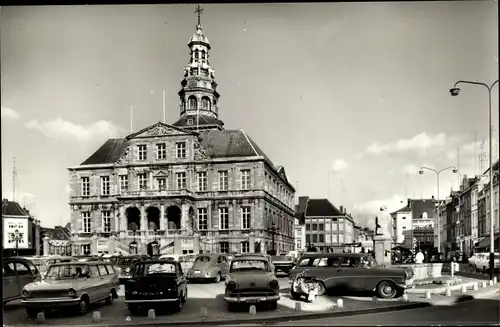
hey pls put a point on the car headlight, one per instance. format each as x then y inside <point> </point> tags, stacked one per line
<point>127,270</point>
<point>72,292</point>
<point>231,285</point>
<point>207,274</point>
<point>274,284</point>
<point>25,293</point>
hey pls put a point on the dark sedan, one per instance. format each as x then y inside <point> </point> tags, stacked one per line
<point>159,284</point>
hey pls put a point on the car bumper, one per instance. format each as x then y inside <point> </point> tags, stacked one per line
<point>150,301</point>
<point>50,302</point>
<point>251,299</point>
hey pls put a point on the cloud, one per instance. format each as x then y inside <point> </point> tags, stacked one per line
<point>59,129</point>
<point>410,170</point>
<point>365,213</point>
<point>10,113</point>
<point>339,165</point>
<point>421,143</point>
<point>359,155</point>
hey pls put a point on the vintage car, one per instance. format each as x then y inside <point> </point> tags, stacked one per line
<point>259,255</point>
<point>283,263</point>
<point>347,273</point>
<point>71,284</point>
<point>186,260</point>
<point>250,281</point>
<point>482,263</point>
<point>210,266</point>
<point>17,273</point>
<point>125,265</point>
<point>159,284</point>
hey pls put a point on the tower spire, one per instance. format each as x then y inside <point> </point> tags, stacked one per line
<point>199,11</point>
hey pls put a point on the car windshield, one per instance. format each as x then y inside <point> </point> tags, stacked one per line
<point>246,265</point>
<point>70,271</point>
<point>126,261</point>
<point>203,259</point>
<point>147,269</point>
<point>281,258</point>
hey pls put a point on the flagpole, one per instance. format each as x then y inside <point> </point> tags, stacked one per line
<point>164,106</point>
<point>131,118</point>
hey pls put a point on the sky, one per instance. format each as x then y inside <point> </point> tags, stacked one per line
<point>351,98</point>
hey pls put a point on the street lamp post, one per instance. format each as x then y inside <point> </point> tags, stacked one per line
<point>455,91</point>
<point>438,220</point>
<point>273,230</point>
<point>16,239</point>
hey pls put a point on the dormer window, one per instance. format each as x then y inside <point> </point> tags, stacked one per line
<point>190,121</point>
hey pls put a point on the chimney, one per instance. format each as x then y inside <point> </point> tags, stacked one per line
<point>409,203</point>
<point>341,209</point>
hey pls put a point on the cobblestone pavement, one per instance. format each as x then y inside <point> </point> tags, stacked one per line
<point>209,296</point>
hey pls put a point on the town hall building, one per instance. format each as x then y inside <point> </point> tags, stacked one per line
<point>185,187</point>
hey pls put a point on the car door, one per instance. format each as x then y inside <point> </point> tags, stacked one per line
<point>105,280</point>
<point>9,281</point>
<point>94,284</point>
<point>348,276</point>
<point>24,274</point>
<point>181,279</point>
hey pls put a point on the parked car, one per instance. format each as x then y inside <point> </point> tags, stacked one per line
<point>17,273</point>
<point>251,280</point>
<point>482,262</point>
<point>283,263</point>
<point>156,284</point>
<point>210,266</point>
<point>474,257</point>
<point>71,284</point>
<point>258,255</point>
<point>186,260</point>
<point>125,265</point>
<point>349,272</point>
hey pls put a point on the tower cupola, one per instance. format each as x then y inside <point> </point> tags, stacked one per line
<point>199,99</point>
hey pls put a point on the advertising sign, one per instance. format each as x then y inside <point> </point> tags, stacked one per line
<point>10,226</point>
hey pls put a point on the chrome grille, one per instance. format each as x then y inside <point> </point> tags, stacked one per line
<point>45,294</point>
<point>254,291</point>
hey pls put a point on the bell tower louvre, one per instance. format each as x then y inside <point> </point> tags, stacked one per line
<point>199,99</point>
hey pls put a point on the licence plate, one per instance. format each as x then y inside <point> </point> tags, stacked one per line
<point>253,301</point>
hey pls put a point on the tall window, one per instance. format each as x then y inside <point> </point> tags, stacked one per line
<point>181,180</point>
<point>245,218</point>
<point>245,247</point>
<point>162,183</point>
<point>192,103</point>
<point>223,180</point>
<point>104,185</point>
<point>205,104</point>
<point>106,221</point>
<point>123,183</point>
<point>202,218</point>
<point>86,222</point>
<point>85,186</point>
<point>245,179</point>
<point>224,247</point>
<point>181,150</point>
<point>142,181</point>
<point>161,151</point>
<point>201,181</point>
<point>142,150</point>
<point>223,218</point>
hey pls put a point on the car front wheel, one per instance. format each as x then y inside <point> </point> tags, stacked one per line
<point>217,278</point>
<point>83,306</point>
<point>386,290</point>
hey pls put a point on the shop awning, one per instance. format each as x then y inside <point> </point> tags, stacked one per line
<point>486,242</point>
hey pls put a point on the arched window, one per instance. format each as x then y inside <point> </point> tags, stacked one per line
<point>205,103</point>
<point>196,54</point>
<point>192,102</point>
<point>203,55</point>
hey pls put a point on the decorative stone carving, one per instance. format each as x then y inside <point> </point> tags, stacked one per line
<point>161,130</point>
<point>124,157</point>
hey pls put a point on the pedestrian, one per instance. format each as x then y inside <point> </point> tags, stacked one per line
<point>419,258</point>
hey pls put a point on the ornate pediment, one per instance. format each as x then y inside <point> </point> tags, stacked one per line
<point>158,129</point>
<point>161,174</point>
<point>283,174</point>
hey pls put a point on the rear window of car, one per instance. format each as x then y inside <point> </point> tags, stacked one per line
<point>281,258</point>
<point>203,259</point>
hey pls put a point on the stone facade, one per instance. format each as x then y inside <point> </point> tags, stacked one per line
<point>187,187</point>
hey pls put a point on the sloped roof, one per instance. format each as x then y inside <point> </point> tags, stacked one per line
<point>404,209</point>
<point>321,208</point>
<point>202,121</point>
<point>108,153</point>
<point>418,207</point>
<point>14,209</point>
<point>58,233</point>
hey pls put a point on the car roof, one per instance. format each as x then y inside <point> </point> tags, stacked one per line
<point>333,255</point>
<point>249,257</point>
<point>80,263</point>
<point>157,261</point>
<point>211,255</point>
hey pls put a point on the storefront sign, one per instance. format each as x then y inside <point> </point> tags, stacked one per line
<point>10,226</point>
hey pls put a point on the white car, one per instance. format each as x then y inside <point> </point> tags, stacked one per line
<point>482,262</point>
<point>474,258</point>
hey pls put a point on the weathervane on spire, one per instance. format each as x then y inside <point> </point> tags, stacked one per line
<point>199,11</point>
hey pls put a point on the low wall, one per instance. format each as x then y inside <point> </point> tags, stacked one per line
<point>423,270</point>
